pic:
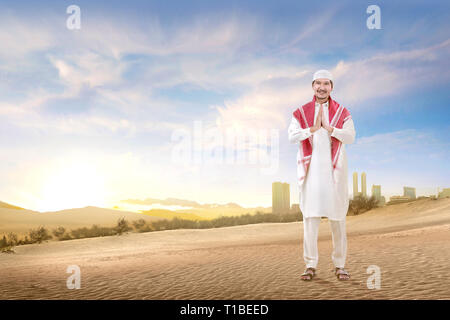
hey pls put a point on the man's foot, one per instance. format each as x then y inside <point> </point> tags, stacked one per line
<point>308,274</point>
<point>342,274</point>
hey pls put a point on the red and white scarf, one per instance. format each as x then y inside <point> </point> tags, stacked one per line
<point>305,116</point>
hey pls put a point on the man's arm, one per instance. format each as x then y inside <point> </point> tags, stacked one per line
<point>346,134</point>
<point>295,132</point>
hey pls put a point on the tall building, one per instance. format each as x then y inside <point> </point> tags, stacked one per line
<point>376,193</point>
<point>363,185</point>
<point>281,197</point>
<point>409,192</point>
<point>355,184</point>
<point>445,193</point>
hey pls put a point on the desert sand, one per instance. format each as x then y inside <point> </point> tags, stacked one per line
<point>409,242</point>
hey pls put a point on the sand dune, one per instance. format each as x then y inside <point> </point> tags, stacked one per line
<point>409,242</point>
<point>21,221</point>
<point>9,206</point>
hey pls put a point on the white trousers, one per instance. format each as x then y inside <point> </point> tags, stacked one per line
<point>310,236</point>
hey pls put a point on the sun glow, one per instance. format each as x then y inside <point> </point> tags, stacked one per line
<point>72,184</point>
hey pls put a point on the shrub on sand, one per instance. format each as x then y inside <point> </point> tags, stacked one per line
<point>122,226</point>
<point>39,235</point>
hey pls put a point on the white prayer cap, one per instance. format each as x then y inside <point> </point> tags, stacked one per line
<point>323,74</point>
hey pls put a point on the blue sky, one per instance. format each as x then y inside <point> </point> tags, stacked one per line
<point>91,116</point>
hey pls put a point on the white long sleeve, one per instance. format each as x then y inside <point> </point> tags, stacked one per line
<point>346,134</point>
<point>296,133</point>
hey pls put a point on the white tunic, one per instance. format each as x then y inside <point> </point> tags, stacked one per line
<point>324,193</point>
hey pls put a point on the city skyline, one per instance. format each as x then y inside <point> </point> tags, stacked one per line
<point>280,203</point>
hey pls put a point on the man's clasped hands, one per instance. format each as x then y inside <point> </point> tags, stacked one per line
<point>321,122</point>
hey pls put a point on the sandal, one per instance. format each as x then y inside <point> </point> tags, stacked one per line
<point>308,274</point>
<point>342,274</point>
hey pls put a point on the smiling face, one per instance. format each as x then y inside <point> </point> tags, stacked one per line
<point>322,89</point>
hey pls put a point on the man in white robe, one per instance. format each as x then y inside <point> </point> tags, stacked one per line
<point>322,128</point>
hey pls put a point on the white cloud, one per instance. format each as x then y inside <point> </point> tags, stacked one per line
<point>402,148</point>
<point>355,81</point>
<point>18,37</point>
<point>93,58</point>
<point>89,69</point>
<point>385,74</point>
<point>216,33</point>
<point>312,27</point>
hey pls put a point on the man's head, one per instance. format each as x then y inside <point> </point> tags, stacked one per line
<point>322,84</point>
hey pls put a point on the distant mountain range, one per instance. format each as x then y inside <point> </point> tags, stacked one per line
<point>19,220</point>
<point>181,202</point>
<point>166,202</point>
